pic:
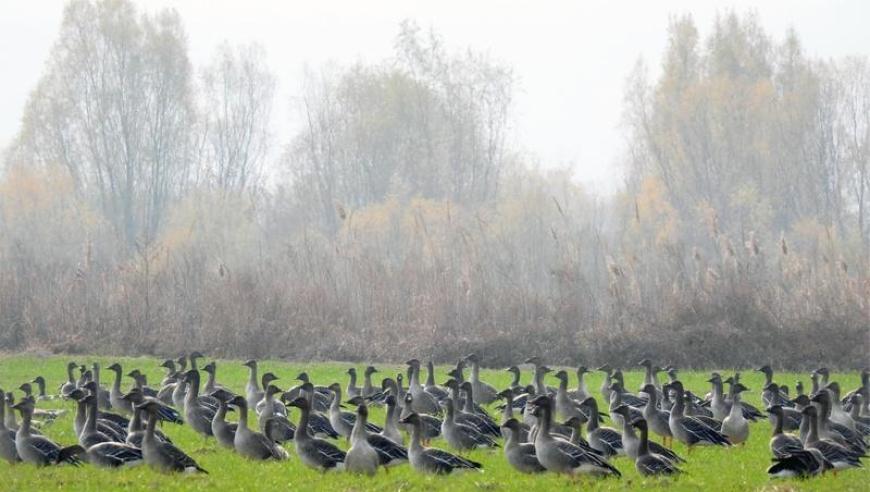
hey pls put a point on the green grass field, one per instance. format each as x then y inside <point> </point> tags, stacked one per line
<point>740,468</point>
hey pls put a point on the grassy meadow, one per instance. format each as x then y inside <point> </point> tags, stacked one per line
<point>740,468</point>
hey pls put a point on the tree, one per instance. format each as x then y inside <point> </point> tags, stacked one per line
<point>238,93</point>
<point>114,108</point>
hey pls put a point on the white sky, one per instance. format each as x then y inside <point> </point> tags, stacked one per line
<point>571,57</point>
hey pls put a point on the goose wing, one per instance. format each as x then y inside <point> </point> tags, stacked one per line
<point>120,453</point>
<point>664,452</point>
<point>318,424</point>
<point>657,466</point>
<point>581,457</point>
<point>279,429</point>
<point>445,462</point>
<point>45,447</point>
<point>331,455</point>
<point>180,457</point>
<point>611,438</point>
<point>701,432</point>
<point>834,453</point>
<point>388,450</point>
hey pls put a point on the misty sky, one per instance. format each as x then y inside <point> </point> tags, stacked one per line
<point>571,58</point>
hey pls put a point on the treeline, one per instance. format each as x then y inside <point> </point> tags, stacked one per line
<point>140,211</point>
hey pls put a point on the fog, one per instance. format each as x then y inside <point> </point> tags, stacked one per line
<point>589,183</point>
<point>570,58</point>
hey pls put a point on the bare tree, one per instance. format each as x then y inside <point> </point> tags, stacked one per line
<point>114,109</point>
<point>238,97</point>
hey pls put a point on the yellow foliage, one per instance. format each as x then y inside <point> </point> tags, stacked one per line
<point>655,215</point>
<point>39,208</point>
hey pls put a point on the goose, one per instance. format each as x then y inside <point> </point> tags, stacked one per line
<point>486,424</point>
<point>650,372</point>
<point>172,375</point>
<point>70,384</point>
<point>430,387</point>
<point>520,454</point>
<point>179,393</point>
<point>165,413</point>
<point>7,436</point>
<point>541,371</point>
<point>136,429</point>
<point>90,435</point>
<point>839,456</point>
<point>368,390</point>
<point>694,408</point>
<point>781,445</point>
<point>467,418</point>
<point>278,407</point>
<point>460,436</point>
<point>618,387</point>
<point>647,462</point>
<point>749,411</point>
<point>799,464</point>
<point>9,419</point>
<point>515,385</point>
<point>689,430</point>
<point>341,421</point>
<point>603,439</point>
<point>631,442</point>
<point>389,452</point>
<point>250,444</point>
<point>253,392</point>
<point>833,430</point>
<point>582,392</point>
<point>771,395</point>
<point>198,410</point>
<point>561,456</point>
<point>862,424</point>
<point>47,416</point>
<point>352,388</point>
<point>321,397</point>
<point>140,381</point>
<point>318,424</point>
<point>791,417</point>
<point>314,452</point>
<point>617,398</point>
<point>566,407</point>
<point>37,449</point>
<point>111,424</point>
<point>85,375</point>
<point>432,460</point>
<point>735,427</point>
<point>106,427</point>
<point>657,420</point>
<point>274,425</point>
<point>163,456</point>
<point>99,449</point>
<point>223,431</point>
<point>361,458</point>
<point>423,401</point>
<point>837,414</point>
<point>39,381</point>
<point>430,427</point>
<point>576,425</point>
<point>210,382</point>
<point>391,421</point>
<point>521,430</point>
<point>718,405</point>
<point>608,380</point>
<point>484,392</point>
<point>103,395</point>
<point>115,395</point>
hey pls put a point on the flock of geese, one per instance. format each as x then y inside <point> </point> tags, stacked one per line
<point>541,428</point>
